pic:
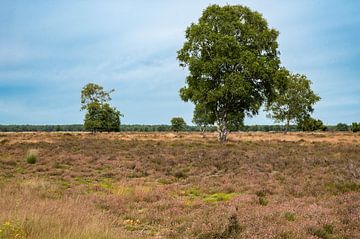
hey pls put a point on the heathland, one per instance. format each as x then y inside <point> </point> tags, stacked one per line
<point>185,185</point>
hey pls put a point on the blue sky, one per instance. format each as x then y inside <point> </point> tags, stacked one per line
<point>50,49</point>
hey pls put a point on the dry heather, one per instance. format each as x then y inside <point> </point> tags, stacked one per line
<point>258,185</point>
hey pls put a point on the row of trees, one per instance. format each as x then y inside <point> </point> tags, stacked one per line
<point>168,128</point>
<point>234,69</point>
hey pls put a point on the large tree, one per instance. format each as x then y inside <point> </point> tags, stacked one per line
<point>295,103</point>
<point>100,115</point>
<point>233,59</point>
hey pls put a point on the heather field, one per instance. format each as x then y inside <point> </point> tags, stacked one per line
<point>185,185</point>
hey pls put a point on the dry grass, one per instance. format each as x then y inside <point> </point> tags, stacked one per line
<point>163,185</point>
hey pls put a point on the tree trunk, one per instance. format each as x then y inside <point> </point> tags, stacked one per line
<point>222,132</point>
<point>287,126</point>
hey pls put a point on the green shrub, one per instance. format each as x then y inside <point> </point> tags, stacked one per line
<point>327,231</point>
<point>263,201</point>
<point>31,157</point>
<point>342,127</point>
<point>311,124</point>
<point>289,216</point>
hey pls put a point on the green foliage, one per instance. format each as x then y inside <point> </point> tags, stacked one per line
<point>100,115</point>
<point>11,230</point>
<point>144,128</point>
<point>31,157</point>
<point>289,216</point>
<point>193,193</point>
<point>93,93</point>
<point>102,118</point>
<point>263,201</point>
<point>342,187</point>
<point>342,127</point>
<point>326,232</point>
<point>178,124</point>
<point>311,124</point>
<point>232,58</point>
<point>219,197</point>
<point>286,235</point>
<point>293,103</point>
<point>355,127</point>
<point>46,128</point>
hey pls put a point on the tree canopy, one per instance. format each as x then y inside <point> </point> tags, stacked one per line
<point>294,104</point>
<point>100,115</point>
<point>233,61</point>
<point>178,124</point>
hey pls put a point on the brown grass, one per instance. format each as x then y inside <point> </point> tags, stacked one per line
<point>163,185</point>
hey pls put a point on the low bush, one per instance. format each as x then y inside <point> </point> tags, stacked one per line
<point>342,127</point>
<point>32,156</point>
<point>289,216</point>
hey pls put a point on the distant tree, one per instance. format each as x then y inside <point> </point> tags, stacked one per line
<point>100,115</point>
<point>294,103</point>
<point>178,124</point>
<point>232,58</point>
<point>342,127</point>
<point>355,127</point>
<point>311,124</point>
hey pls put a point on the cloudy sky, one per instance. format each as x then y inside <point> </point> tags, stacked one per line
<point>50,49</point>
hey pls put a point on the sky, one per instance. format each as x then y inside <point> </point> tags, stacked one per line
<point>50,49</point>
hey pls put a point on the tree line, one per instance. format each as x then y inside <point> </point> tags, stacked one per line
<point>168,128</point>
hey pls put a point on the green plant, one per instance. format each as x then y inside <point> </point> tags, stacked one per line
<point>327,231</point>
<point>342,187</point>
<point>286,235</point>
<point>311,124</point>
<point>263,201</point>
<point>100,115</point>
<point>289,216</point>
<point>219,197</point>
<point>342,127</point>
<point>233,62</point>
<point>178,124</point>
<point>294,102</point>
<point>11,230</point>
<point>31,157</point>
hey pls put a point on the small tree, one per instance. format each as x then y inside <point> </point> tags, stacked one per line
<point>342,127</point>
<point>100,115</point>
<point>232,58</point>
<point>294,103</point>
<point>178,124</point>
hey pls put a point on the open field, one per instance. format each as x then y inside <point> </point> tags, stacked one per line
<point>164,185</point>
